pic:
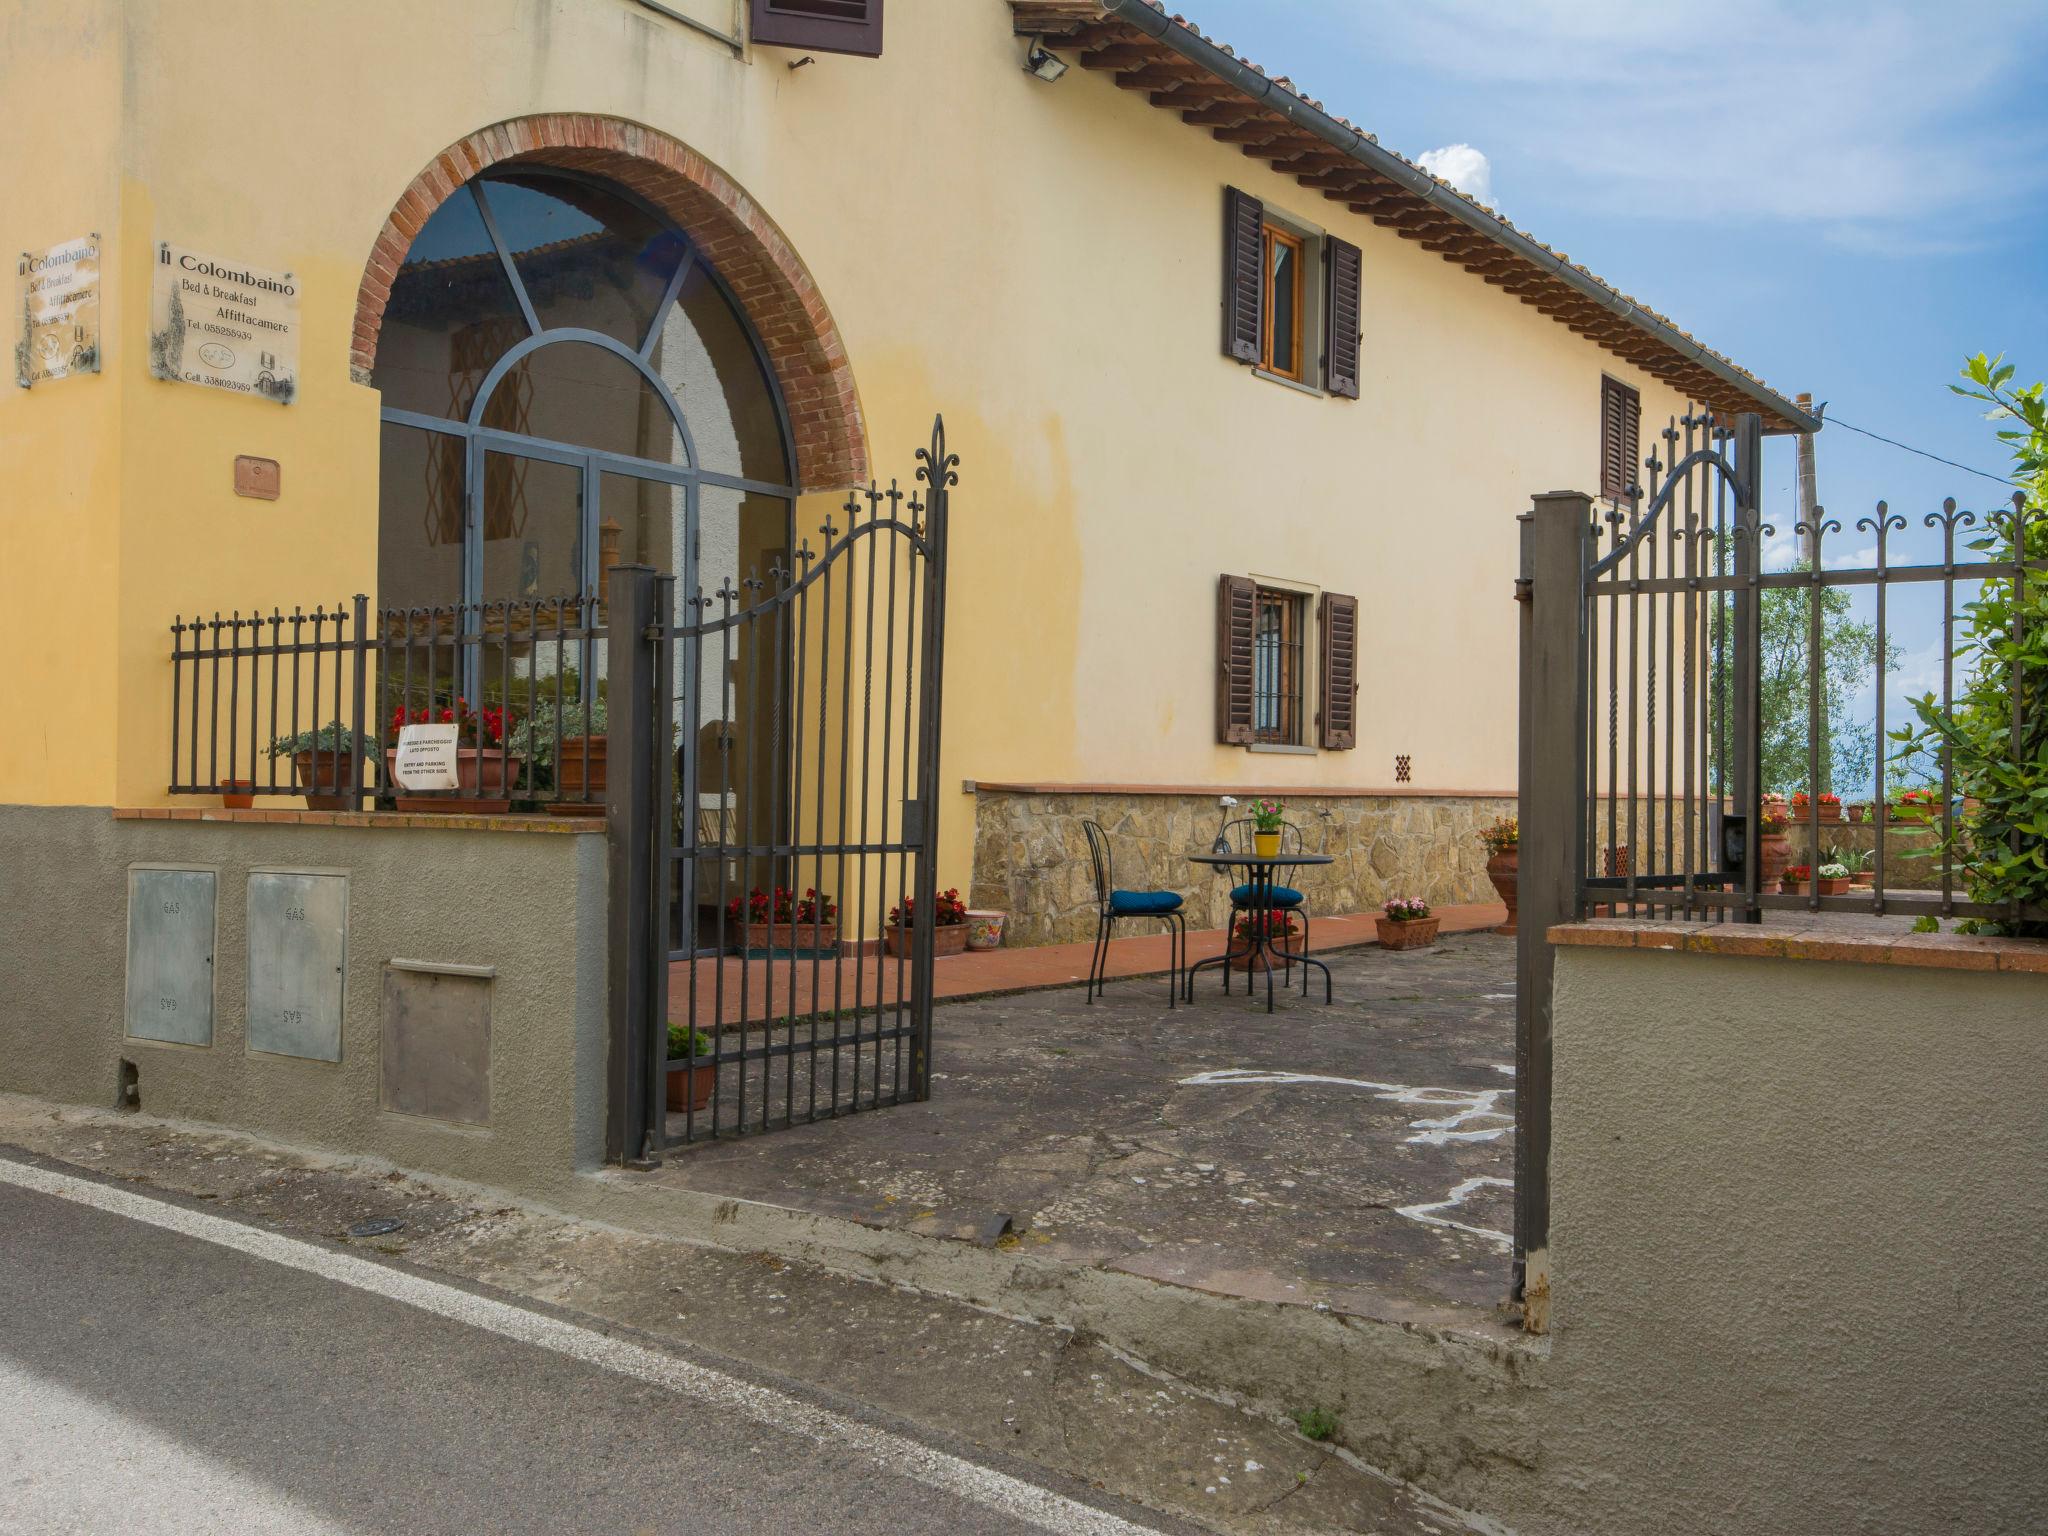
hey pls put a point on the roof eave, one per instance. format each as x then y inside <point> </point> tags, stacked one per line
<point>1780,414</point>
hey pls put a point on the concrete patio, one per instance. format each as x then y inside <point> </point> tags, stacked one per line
<point>1357,1157</point>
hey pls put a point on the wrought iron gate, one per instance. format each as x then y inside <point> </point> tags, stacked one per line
<point>780,821</point>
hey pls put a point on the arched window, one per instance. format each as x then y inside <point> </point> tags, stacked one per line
<point>567,386</point>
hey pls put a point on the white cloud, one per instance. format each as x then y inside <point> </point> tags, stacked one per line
<point>1885,125</point>
<point>1463,167</point>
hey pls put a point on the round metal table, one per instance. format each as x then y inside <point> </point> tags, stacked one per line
<point>1260,878</point>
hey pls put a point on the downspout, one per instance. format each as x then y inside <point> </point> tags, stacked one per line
<point>1226,67</point>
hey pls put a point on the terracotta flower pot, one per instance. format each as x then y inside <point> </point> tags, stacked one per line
<point>1858,815</point>
<point>691,1087</point>
<point>1281,948</point>
<point>319,776</point>
<point>481,773</point>
<point>947,939</point>
<point>570,777</point>
<point>763,938</point>
<point>235,794</point>
<point>1863,880</point>
<point>1504,870</point>
<point>985,930</point>
<point>1416,933</point>
<point>1835,887</point>
<point>1774,852</point>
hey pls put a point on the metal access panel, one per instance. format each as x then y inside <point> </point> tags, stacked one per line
<point>170,955</point>
<point>298,953</point>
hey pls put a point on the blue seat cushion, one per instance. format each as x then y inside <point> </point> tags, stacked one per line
<point>1143,903</point>
<point>1278,895</point>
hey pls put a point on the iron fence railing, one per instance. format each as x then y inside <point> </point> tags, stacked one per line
<point>309,703</point>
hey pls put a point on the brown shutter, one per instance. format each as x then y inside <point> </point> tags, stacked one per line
<point>1237,604</point>
<point>1621,431</point>
<point>1343,316</point>
<point>1338,715</point>
<point>1244,288</point>
<point>830,26</point>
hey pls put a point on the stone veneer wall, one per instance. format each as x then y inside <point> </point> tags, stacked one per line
<point>1031,856</point>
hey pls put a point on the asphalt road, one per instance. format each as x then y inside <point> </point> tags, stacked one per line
<point>165,1369</point>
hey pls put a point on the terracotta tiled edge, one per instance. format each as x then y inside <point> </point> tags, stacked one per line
<point>1935,951</point>
<point>385,820</point>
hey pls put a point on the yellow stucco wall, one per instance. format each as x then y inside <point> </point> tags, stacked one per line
<point>1039,262</point>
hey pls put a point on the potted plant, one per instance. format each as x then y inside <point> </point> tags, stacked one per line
<point>1277,928</point>
<point>1795,879</point>
<point>238,794</point>
<point>691,1087</point>
<point>1859,812</point>
<point>985,929</point>
<point>1267,820</point>
<point>1833,879</point>
<point>782,920</point>
<point>1862,869</point>
<point>1913,806</point>
<point>1503,840</point>
<point>486,766</point>
<point>321,763</point>
<point>1830,808</point>
<point>949,925</point>
<point>1773,847</point>
<point>1408,923</point>
<point>579,778</point>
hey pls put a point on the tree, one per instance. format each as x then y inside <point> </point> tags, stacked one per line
<point>1995,737</point>
<point>1849,652</point>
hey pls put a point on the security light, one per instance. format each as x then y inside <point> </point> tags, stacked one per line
<point>1043,62</point>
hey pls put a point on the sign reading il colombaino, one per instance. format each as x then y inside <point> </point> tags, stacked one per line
<point>224,323</point>
<point>60,312</point>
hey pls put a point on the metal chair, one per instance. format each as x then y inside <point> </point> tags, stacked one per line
<point>1113,905</point>
<point>1282,898</point>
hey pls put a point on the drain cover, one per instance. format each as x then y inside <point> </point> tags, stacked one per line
<point>377,1226</point>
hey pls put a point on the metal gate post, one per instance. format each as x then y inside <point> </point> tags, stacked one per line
<point>629,813</point>
<point>1552,806</point>
<point>936,468</point>
<point>1746,772</point>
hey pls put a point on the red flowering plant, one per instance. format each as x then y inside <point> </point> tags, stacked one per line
<point>1797,872</point>
<point>478,728</point>
<point>1801,804</point>
<point>1273,926</point>
<point>783,906</point>
<point>947,910</point>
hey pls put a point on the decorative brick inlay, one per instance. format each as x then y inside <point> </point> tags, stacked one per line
<point>730,230</point>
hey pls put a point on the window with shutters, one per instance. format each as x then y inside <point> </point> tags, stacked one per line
<point>1287,666</point>
<point>1292,298</point>
<point>830,26</point>
<point>1621,431</point>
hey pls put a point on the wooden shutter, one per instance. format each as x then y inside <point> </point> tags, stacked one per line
<point>1337,715</point>
<point>1244,287</point>
<point>1621,432</point>
<point>1343,316</point>
<point>830,26</point>
<point>1237,604</point>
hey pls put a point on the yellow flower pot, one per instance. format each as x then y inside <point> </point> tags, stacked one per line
<point>1266,845</point>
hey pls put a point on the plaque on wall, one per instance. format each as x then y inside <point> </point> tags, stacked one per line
<point>224,323</point>
<point>298,950</point>
<point>60,312</point>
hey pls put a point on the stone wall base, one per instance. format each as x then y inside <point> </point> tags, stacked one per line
<point>1031,855</point>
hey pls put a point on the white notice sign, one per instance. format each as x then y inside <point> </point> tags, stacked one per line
<point>224,323</point>
<point>426,757</point>
<point>60,312</point>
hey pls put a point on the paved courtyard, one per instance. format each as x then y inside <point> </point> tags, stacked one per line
<point>1358,1156</point>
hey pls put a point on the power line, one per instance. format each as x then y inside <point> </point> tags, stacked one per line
<point>1836,421</point>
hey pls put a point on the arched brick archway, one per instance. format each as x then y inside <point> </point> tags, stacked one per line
<point>729,228</point>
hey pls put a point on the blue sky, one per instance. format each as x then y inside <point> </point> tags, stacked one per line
<point>1845,198</point>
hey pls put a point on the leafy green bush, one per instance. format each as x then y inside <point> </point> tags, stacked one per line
<point>1995,736</point>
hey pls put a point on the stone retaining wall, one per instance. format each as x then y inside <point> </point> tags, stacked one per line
<point>1031,855</point>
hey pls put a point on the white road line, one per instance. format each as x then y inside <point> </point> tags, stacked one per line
<point>980,1485</point>
<point>1427,1212</point>
<point>72,1465</point>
